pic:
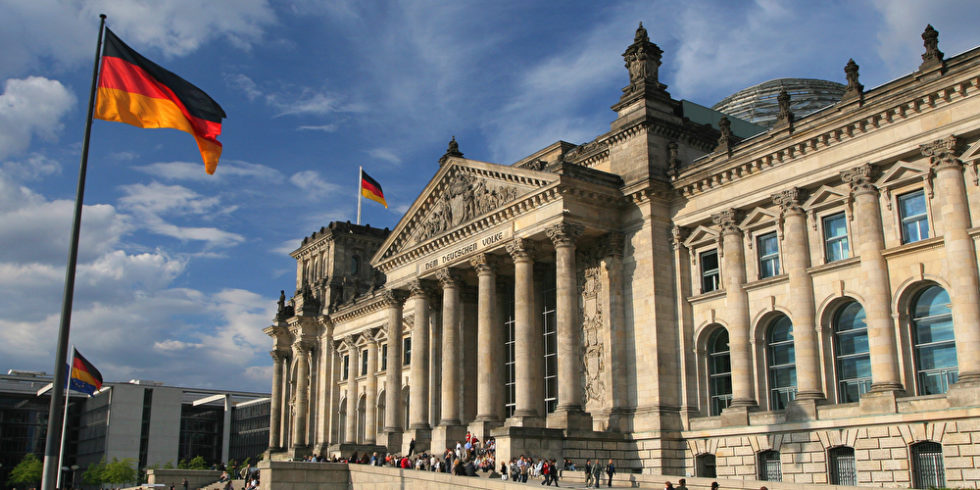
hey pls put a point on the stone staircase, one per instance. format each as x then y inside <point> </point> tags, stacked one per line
<point>236,484</point>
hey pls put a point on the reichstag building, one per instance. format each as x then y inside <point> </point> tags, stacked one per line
<point>688,294</point>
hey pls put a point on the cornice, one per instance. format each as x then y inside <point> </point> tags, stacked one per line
<point>365,306</point>
<point>841,124</point>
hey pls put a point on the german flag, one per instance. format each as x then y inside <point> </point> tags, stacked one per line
<point>137,91</point>
<point>84,377</point>
<point>371,189</point>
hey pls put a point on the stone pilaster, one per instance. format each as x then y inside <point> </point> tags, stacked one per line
<point>961,258</point>
<point>616,351</point>
<point>350,423</point>
<point>796,258</point>
<point>737,312</point>
<point>874,285</point>
<point>301,353</point>
<point>488,336</point>
<point>394,300</point>
<point>528,347</point>
<point>371,392</point>
<point>570,413</point>
<point>325,384</point>
<point>418,411</point>
<point>451,309</point>
<point>275,402</point>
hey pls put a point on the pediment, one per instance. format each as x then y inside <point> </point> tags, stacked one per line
<point>972,153</point>
<point>824,196</point>
<point>462,191</point>
<point>758,217</point>
<point>700,235</point>
<point>903,172</point>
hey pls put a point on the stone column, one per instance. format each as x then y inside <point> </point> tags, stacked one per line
<point>737,312</point>
<point>275,401</point>
<point>961,257</point>
<point>874,284</point>
<point>488,337</point>
<point>324,385</point>
<point>450,338</point>
<point>301,352</point>
<point>796,257</point>
<point>615,353</point>
<point>528,345</point>
<point>350,423</point>
<point>418,412</point>
<point>435,362</point>
<point>570,411</point>
<point>394,299</point>
<point>371,392</point>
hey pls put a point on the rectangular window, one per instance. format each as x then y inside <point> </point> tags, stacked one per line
<point>912,212</point>
<point>384,357</point>
<point>550,350</point>
<point>509,362</point>
<point>364,356</point>
<point>768,255</point>
<point>835,237</point>
<point>345,373</point>
<point>406,351</point>
<point>709,271</point>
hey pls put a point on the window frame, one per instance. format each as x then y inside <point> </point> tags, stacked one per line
<point>845,238</point>
<point>384,357</point>
<point>364,362</point>
<point>947,375</point>
<point>920,219</point>
<point>709,274</point>
<point>406,351</point>
<point>775,392</point>
<point>863,382</point>
<point>774,257</point>
<point>714,408</point>
<point>345,372</point>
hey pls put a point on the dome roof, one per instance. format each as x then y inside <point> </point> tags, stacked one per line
<point>757,104</point>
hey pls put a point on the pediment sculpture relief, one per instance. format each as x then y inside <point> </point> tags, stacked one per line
<point>465,197</point>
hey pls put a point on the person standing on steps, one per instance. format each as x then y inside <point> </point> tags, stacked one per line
<point>610,470</point>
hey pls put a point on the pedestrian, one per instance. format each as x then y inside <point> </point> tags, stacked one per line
<point>714,485</point>
<point>682,484</point>
<point>611,470</point>
<point>411,447</point>
<point>588,473</point>
<point>668,486</point>
<point>597,474</point>
<point>184,483</point>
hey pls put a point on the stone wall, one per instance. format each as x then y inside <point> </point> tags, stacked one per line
<point>195,478</point>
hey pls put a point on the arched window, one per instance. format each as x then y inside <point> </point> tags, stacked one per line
<point>719,371</point>
<point>781,356</point>
<point>842,470</point>
<point>933,341</point>
<point>851,350</point>
<point>927,465</point>
<point>705,466</point>
<point>769,469</point>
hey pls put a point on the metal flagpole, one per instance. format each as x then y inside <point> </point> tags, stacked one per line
<point>64,422</point>
<point>55,424</point>
<point>360,184</point>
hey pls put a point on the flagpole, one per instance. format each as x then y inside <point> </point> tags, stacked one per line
<point>360,184</point>
<point>56,424</point>
<point>64,424</point>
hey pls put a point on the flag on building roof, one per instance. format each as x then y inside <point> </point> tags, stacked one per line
<point>84,377</point>
<point>371,189</point>
<point>137,91</point>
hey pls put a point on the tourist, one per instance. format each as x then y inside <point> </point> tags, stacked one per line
<point>597,474</point>
<point>668,486</point>
<point>714,485</point>
<point>588,473</point>
<point>503,470</point>
<point>682,484</point>
<point>610,470</point>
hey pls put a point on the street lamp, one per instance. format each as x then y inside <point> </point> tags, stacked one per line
<point>74,468</point>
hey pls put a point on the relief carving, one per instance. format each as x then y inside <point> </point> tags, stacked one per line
<point>593,349</point>
<point>465,197</point>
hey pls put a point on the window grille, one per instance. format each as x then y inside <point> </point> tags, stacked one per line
<point>769,469</point>
<point>927,465</point>
<point>842,469</point>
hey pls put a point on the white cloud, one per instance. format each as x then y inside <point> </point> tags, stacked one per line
<point>34,167</point>
<point>31,107</point>
<point>311,182</point>
<point>287,247</point>
<point>195,171</point>
<point>904,21</point>
<point>150,202</point>
<point>326,128</point>
<point>385,155</point>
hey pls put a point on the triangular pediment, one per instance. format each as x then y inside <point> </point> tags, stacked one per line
<point>903,172</point>
<point>972,153</point>
<point>824,196</point>
<point>462,191</point>
<point>758,217</point>
<point>700,235</point>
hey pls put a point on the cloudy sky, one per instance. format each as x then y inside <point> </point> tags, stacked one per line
<point>179,271</point>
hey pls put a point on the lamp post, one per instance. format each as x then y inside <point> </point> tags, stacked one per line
<point>74,468</point>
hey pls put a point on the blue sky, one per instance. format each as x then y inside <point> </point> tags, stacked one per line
<point>179,271</point>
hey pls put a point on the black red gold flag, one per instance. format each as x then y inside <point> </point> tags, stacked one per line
<point>371,189</point>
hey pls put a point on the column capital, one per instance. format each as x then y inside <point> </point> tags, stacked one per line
<point>484,264</point>
<point>677,236</point>
<point>278,355</point>
<point>351,342</point>
<point>788,200</point>
<point>859,179</point>
<point>448,278</point>
<point>521,249</point>
<point>393,297</point>
<point>419,288</point>
<point>564,234</point>
<point>942,153</point>
<point>302,347</point>
<point>727,220</point>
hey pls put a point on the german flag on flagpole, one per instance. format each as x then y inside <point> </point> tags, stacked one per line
<point>371,189</point>
<point>84,377</point>
<point>137,91</point>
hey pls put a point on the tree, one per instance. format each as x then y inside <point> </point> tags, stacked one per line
<point>27,471</point>
<point>169,465</point>
<point>95,473</point>
<point>198,463</point>
<point>120,471</point>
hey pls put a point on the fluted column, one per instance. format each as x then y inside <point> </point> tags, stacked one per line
<point>418,411</point>
<point>301,352</point>
<point>488,337</point>
<point>450,349</point>
<point>528,348</point>
<point>350,422</point>
<point>737,311</point>
<point>874,280</point>
<point>961,256</point>
<point>796,256</point>
<point>371,393</point>
<point>394,299</point>
<point>324,384</point>
<point>275,402</point>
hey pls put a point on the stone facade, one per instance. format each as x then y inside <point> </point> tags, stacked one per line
<point>802,305</point>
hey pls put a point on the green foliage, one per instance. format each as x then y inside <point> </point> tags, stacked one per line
<point>182,464</point>
<point>169,465</point>
<point>28,471</point>
<point>198,463</point>
<point>93,475</point>
<point>120,471</point>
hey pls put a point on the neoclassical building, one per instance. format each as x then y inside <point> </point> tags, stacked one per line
<point>801,304</point>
